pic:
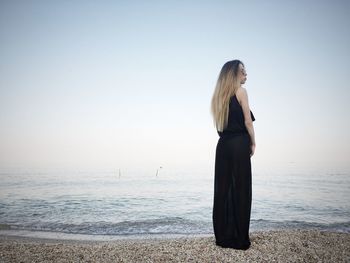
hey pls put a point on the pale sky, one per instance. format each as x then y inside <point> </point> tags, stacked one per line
<point>128,84</point>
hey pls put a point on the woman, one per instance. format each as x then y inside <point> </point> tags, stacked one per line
<point>233,177</point>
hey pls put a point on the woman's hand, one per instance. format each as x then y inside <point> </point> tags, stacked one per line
<point>252,149</point>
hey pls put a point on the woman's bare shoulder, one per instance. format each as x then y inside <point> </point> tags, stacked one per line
<point>240,93</point>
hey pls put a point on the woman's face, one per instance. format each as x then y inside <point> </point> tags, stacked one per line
<point>242,74</point>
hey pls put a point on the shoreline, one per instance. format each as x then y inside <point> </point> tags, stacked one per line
<point>51,236</point>
<point>279,245</point>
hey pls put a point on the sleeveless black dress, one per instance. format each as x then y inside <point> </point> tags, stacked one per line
<point>233,182</point>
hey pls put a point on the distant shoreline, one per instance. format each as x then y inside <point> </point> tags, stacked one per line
<point>279,245</point>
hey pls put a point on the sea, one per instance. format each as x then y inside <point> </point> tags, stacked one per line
<point>109,205</point>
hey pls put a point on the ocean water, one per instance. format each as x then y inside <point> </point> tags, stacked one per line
<point>109,205</point>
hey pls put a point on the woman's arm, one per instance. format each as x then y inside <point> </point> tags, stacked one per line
<point>243,96</point>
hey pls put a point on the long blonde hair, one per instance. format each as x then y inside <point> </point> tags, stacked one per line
<point>226,86</point>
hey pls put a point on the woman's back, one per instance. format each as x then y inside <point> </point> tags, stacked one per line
<point>235,122</point>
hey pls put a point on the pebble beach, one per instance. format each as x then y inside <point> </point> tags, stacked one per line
<point>267,246</point>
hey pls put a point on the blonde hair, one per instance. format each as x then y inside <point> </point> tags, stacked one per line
<point>226,86</point>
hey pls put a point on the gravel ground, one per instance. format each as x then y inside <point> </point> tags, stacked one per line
<point>267,246</point>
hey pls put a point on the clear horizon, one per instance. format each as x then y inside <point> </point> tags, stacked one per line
<point>127,85</point>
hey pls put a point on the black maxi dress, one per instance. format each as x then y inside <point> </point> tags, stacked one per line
<point>233,182</point>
